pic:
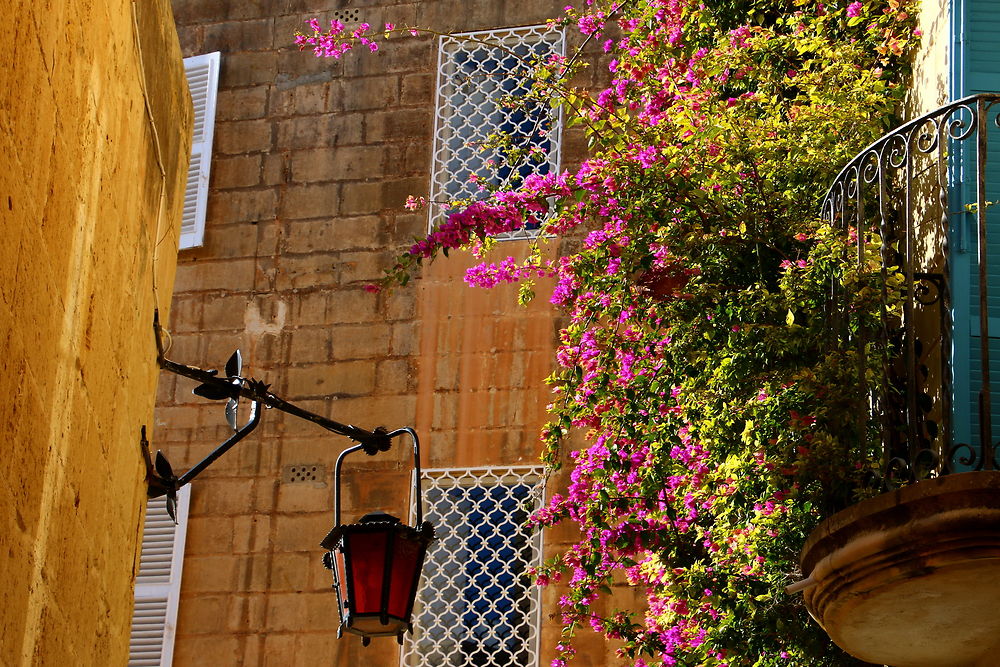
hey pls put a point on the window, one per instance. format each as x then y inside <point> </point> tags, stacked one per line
<point>158,584</point>
<point>203,81</point>
<point>483,78</point>
<point>476,604</point>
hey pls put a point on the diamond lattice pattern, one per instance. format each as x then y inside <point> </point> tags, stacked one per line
<point>483,82</point>
<point>476,604</point>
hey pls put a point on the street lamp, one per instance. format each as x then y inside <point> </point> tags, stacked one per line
<point>376,562</point>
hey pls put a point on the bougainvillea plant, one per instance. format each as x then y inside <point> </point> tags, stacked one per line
<point>717,406</point>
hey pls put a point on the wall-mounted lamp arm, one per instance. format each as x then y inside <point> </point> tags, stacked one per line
<point>255,414</point>
<point>160,478</point>
<point>374,440</point>
<point>159,474</point>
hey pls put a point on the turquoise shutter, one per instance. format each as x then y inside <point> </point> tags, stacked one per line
<point>976,69</point>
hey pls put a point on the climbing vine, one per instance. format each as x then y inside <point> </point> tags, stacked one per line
<point>717,405</point>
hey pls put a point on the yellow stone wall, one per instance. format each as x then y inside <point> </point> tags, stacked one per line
<point>91,185</point>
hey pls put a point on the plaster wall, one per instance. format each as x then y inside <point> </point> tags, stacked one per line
<point>931,65</point>
<point>90,199</point>
<point>930,88</point>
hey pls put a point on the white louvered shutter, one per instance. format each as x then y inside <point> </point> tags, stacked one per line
<point>203,81</point>
<point>158,584</point>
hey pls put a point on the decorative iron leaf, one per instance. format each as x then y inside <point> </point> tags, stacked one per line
<point>172,506</point>
<point>212,392</point>
<point>162,465</point>
<point>231,407</point>
<point>235,365</point>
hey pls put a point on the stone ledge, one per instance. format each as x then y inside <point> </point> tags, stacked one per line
<point>911,577</point>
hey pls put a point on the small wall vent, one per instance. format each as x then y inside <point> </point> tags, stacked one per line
<point>348,17</point>
<point>299,473</point>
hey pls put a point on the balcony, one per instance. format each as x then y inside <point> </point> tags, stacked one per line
<point>911,577</point>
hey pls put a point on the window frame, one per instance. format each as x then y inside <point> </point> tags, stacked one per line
<point>443,172</point>
<point>469,478</point>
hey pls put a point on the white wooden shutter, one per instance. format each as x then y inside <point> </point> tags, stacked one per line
<point>158,584</point>
<point>203,81</point>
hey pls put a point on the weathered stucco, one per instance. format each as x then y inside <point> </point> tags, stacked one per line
<point>90,196</point>
<point>312,164</point>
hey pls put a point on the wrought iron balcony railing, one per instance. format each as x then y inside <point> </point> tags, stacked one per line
<point>925,191</point>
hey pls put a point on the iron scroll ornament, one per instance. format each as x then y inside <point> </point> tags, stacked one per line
<point>898,192</point>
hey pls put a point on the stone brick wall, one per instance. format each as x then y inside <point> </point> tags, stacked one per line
<point>95,129</point>
<point>313,161</point>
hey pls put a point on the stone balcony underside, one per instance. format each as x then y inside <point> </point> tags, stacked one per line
<point>911,578</point>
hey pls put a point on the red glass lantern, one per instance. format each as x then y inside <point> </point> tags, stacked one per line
<point>376,564</point>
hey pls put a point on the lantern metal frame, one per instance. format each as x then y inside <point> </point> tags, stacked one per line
<point>339,556</point>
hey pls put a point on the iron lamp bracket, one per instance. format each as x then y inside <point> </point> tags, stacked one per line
<point>160,476</point>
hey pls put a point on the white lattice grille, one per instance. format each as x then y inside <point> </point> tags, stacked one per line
<point>476,604</point>
<point>483,80</point>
